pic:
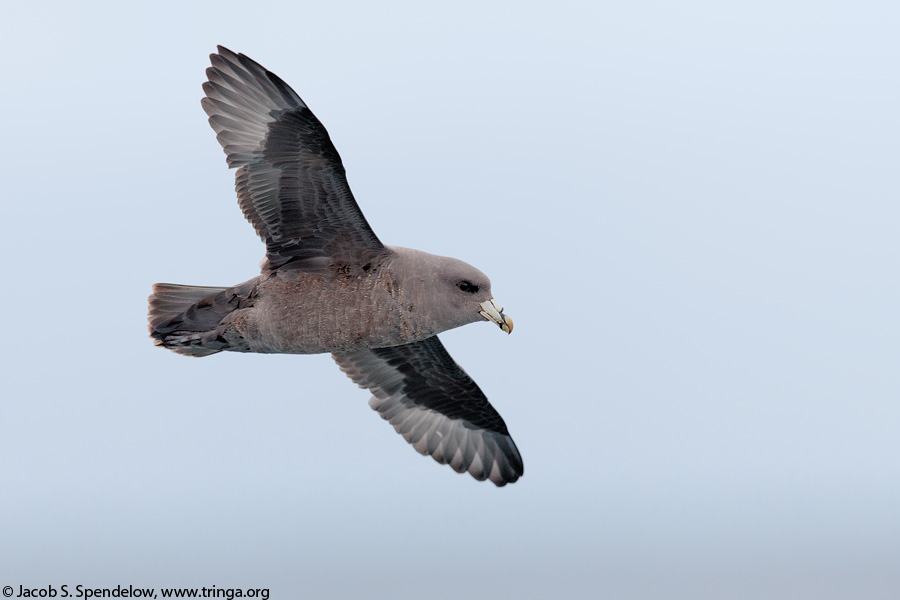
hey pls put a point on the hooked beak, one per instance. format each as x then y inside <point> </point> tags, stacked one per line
<point>493,312</point>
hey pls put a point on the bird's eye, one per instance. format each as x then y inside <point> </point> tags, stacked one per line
<point>467,286</point>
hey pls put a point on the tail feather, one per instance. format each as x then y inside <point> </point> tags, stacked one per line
<point>184,318</point>
<point>170,299</point>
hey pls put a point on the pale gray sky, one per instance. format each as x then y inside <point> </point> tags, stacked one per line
<point>690,210</point>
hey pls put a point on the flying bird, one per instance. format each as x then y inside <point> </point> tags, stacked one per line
<point>328,284</point>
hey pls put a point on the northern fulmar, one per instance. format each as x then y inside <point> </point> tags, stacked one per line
<point>327,284</point>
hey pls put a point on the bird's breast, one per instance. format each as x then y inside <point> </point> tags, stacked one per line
<point>310,313</point>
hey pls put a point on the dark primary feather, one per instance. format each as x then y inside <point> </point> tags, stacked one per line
<point>437,408</point>
<point>290,181</point>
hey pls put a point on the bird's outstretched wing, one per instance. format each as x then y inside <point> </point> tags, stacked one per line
<point>290,182</point>
<point>436,407</point>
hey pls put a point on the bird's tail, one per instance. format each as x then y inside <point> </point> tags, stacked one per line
<point>184,318</point>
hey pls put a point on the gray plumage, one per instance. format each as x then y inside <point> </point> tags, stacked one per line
<point>418,389</point>
<point>328,284</point>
